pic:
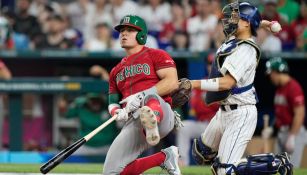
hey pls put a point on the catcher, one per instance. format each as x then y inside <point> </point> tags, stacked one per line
<point>231,84</point>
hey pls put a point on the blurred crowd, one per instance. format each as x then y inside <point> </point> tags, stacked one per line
<point>173,25</point>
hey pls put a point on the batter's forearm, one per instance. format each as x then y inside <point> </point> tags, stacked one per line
<point>166,86</point>
<point>299,113</point>
<point>5,73</point>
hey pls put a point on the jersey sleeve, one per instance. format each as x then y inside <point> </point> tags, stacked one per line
<point>296,95</point>
<point>112,82</point>
<point>162,60</point>
<point>240,61</point>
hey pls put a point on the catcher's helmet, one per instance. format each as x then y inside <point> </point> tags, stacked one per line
<point>233,11</point>
<point>276,64</point>
<point>137,23</point>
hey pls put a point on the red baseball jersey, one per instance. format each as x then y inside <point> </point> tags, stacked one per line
<point>137,72</point>
<point>286,98</point>
<point>199,109</point>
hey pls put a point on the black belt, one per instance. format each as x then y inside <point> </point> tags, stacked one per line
<point>231,107</point>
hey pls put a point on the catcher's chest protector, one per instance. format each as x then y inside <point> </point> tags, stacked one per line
<point>225,50</point>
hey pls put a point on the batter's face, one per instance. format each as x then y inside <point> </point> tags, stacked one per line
<point>274,76</point>
<point>128,37</point>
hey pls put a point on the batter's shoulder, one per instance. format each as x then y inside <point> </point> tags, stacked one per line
<point>158,52</point>
<point>295,84</point>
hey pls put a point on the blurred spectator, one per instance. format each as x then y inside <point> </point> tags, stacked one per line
<point>37,136</point>
<point>77,12</point>
<point>6,41</point>
<point>99,72</point>
<point>299,25</point>
<point>288,9</point>
<point>37,6</point>
<point>201,26</point>
<point>91,110</point>
<point>72,34</point>
<point>9,38</point>
<point>301,42</point>
<point>100,14</point>
<point>120,8</point>
<point>267,41</point>
<point>201,114</point>
<point>177,23</point>
<point>102,40</point>
<point>155,13</point>
<point>34,122</point>
<point>55,39</point>
<point>218,36</point>
<point>180,41</point>
<point>270,13</point>
<point>289,106</point>
<point>5,74</point>
<point>216,8</point>
<point>26,23</point>
<point>43,15</point>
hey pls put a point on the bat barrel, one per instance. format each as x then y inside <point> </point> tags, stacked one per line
<point>57,159</point>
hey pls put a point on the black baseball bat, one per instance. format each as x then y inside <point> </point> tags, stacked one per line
<point>61,156</point>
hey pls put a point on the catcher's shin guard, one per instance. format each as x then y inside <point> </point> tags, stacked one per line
<point>202,154</point>
<point>261,164</point>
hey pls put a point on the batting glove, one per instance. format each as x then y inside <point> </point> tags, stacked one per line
<point>267,132</point>
<point>133,102</point>
<point>121,114</point>
<point>290,143</point>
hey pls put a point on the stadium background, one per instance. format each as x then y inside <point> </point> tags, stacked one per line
<point>31,63</point>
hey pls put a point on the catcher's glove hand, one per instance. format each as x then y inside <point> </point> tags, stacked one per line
<point>181,95</point>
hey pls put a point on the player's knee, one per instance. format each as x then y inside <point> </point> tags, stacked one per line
<point>149,97</point>
<point>202,154</point>
<point>152,101</point>
<point>261,164</point>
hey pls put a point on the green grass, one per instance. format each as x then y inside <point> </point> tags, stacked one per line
<point>97,168</point>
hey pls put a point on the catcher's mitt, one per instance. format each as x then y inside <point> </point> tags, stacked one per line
<point>181,95</point>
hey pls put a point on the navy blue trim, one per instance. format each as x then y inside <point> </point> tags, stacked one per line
<point>239,90</point>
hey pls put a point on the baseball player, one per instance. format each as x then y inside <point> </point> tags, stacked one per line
<point>289,104</point>
<point>143,80</point>
<point>231,84</point>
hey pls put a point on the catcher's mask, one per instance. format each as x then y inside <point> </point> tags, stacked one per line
<point>235,11</point>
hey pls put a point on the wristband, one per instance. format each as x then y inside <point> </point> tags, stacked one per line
<point>112,108</point>
<point>209,84</point>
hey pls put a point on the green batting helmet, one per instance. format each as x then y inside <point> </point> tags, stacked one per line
<point>276,64</point>
<point>137,23</point>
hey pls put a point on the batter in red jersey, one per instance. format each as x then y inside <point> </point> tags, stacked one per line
<point>139,89</point>
<point>289,107</point>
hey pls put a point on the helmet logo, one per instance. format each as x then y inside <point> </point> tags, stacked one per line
<point>126,19</point>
